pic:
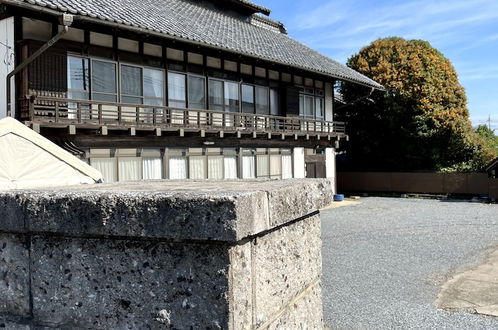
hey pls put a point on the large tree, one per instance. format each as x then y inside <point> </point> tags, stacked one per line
<point>421,122</point>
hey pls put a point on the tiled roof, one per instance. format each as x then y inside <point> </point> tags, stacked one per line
<point>202,23</point>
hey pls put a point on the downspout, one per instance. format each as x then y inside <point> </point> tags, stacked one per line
<point>66,21</point>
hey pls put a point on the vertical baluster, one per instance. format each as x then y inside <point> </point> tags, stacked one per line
<point>99,113</point>
<point>78,112</point>
<point>120,115</point>
<point>31,110</point>
<point>198,119</point>
<point>137,115</point>
<point>56,111</point>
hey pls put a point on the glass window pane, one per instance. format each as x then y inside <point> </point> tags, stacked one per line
<point>230,163</point>
<point>104,97</point>
<point>131,80</point>
<point>130,99</point>
<point>215,167</point>
<point>129,169</point>
<point>262,101</point>
<point>196,167</point>
<point>248,167</point>
<point>103,77</point>
<point>275,166</point>
<point>286,166</point>
<point>153,101</point>
<point>177,168</point>
<point>247,98</point>
<point>263,170</point>
<point>274,104</point>
<point>152,168</point>
<point>77,73</point>
<point>77,95</point>
<point>215,95</point>
<point>232,96</point>
<point>301,105</point>
<point>308,106</point>
<point>153,83</point>
<point>176,90</point>
<point>196,92</point>
<point>106,166</point>
<point>319,108</point>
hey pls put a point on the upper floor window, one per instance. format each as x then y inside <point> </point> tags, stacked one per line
<point>104,76</point>
<point>311,103</point>
<point>142,85</point>
<point>78,81</point>
<point>186,91</point>
<point>223,95</point>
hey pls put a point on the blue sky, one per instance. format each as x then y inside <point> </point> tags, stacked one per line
<point>466,31</point>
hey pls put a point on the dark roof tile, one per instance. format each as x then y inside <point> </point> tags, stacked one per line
<point>199,22</point>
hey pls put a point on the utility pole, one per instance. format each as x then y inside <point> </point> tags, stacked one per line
<point>489,122</point>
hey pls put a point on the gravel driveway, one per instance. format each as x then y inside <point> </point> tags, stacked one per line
<point>384,261</point>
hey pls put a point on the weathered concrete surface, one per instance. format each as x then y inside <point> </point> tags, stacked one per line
<point>474,289</point>
<point>202,210</point>
<point>212,255</point>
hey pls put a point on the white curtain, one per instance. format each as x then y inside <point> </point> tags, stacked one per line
<point>230,167</point>
<point>129,169</point>
<point>276,166</point>
<point>215,167</point>
<point>263,168</point>
<point>197,167</point>
<point>177,168</point>
<point>248,167</point>
<point>286,166</point>
<point>152,168</point>
<point>106,166</point>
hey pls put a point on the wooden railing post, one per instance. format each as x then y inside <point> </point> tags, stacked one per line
<point>31,106</point>
<point>78,112</point>
<point>120,115</point>
<point>99,113</point>
<point>56,111</point>
<point>137,115</point>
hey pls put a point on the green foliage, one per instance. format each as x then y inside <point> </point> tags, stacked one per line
<point>420,123</point>
<point>489,137</point>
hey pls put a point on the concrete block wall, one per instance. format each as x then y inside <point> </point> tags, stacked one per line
<point>211,255</point>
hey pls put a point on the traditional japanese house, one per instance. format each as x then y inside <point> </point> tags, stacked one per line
<point>172,89</point>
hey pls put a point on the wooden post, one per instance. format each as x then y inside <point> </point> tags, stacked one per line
<point>119,114</point>
<point>100,113</point>
<point>56,111</point>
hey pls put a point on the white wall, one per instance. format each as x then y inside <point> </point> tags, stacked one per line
<point>298,160</point>
<point>6,63</point>
<point>330,172</point>
<point>329,101</point>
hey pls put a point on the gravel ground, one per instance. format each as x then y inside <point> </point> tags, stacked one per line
<point>385,260</point>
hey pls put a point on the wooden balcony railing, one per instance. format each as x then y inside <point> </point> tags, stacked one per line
<point>56,111</point>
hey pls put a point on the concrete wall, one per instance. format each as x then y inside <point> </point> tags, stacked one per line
<point>7,38</point>
<point>177,254</point>
<point>431,183</point>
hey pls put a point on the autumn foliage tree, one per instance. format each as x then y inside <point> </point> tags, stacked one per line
<point>421,122</point>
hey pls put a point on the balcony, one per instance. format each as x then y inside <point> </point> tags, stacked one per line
<point>59,112</point>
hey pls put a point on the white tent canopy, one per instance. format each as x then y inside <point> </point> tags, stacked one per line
<point>28,160</point>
